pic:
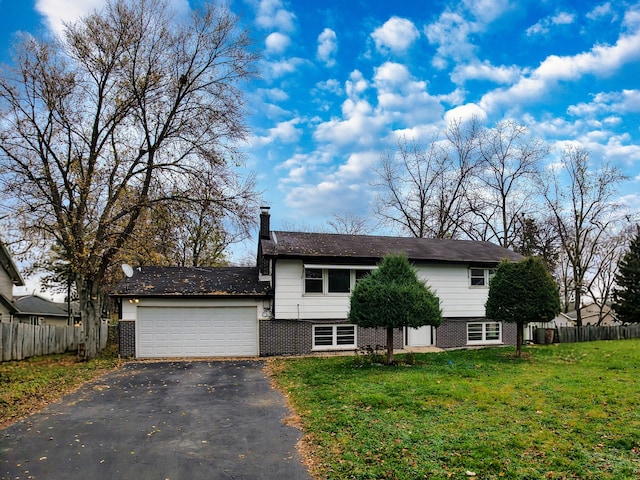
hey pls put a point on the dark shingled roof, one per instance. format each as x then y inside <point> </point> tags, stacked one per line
<point>192,281</point>
<point>36,305</point>
<point>366,247</point>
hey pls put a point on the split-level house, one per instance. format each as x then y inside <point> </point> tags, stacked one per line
<point>296,300</point>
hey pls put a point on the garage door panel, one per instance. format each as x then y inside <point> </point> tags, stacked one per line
<point>196,331</point>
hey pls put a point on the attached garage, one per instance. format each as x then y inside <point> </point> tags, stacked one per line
<point>172,312</point>
<point>196,332</point>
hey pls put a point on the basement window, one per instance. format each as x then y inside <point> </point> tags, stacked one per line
<point>337,337</point>
<point>481,333</point>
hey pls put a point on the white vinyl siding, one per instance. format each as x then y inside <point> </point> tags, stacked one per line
<point>449,282</point>
<point>482,333</point>
<point>334,337</point>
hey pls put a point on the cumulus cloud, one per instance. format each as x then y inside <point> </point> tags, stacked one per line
<point>396,35</point>
<point>601,60</point>
<point>58,12</point>
<point>626,101</point>
<point>485,71</point>
<point>280,68</point>
<point>327,47</point>
<point>464,113</point>
<point>452,31</point>
<point>602,11</point>
<point>276,43</point>
<point>272,15</point>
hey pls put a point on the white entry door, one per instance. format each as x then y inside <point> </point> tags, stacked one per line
<point>420,337</point>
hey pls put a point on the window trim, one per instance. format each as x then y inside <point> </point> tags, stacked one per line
<point>484,341</point>
<point>488,274</point>
<point>334,337</point>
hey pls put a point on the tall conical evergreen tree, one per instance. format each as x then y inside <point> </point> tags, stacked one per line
<point>626,296</point>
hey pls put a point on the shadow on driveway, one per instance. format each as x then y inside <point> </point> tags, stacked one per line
<point>165,420</point>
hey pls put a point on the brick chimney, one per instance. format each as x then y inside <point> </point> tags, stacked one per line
<point>264,223</point>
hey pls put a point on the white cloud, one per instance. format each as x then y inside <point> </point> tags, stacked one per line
<point>485,71</point>
<point>277,43</point>
<point>403,98</point>
<point>396,35</point>
<point>58,12</point>
<point>626,101</point>
<point>544,25</point>
<point>465,112</point>
<point>454,28</point>
<point>272,15</point>
<point>331,85</point>
<point>601,11</point>
<point>280,68</point>
<point>601,60</point>
<point>486,11</point>
<point>327,47</point>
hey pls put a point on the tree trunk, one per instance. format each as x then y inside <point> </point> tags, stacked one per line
<point>91,301</point>
<point>389,345</point>
<point>519,338</point>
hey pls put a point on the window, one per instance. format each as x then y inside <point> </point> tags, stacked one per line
<point>313,280</point>
<point>360,274</point>
<point>332,281</point>
<point>339,280</point>
<point>480,277</point>
<point>327,337</point>
<point>484,332</point>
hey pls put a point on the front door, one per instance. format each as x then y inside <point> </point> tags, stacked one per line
<point>419,337</point>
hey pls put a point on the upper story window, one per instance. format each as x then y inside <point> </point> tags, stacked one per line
<point>480,277</point>
<point>330,281</point>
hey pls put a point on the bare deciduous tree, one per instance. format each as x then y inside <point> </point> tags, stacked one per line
<point>581,200</point>
<point>507,174</point>
<point>348,223</point>
<point>423,188</point>
<point>121,113</point>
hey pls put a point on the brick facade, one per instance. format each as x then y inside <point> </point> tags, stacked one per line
<point>453,332</point>
<point>127,338</point>
<point>295,337</point>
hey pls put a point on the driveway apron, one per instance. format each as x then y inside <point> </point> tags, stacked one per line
<point>165,420</point>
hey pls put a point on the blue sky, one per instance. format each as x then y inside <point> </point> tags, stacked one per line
<point>341,81</point>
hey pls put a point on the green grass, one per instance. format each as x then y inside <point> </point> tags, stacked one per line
<point>28,385</point>
<point>567,411</point>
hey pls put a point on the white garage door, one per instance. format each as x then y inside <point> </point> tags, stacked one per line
<point>196,332</point>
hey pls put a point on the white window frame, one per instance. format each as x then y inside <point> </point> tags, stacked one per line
<point>484,332</point>
<point>325,278</point>
<point>334,335</point>
<point>487,275</point>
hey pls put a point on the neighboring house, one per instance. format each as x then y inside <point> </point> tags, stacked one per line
<point>296,301</point>
<point>36,310</point>
<point>9,277</point>
<point>590,314</point>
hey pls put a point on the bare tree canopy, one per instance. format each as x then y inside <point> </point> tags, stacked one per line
<point>131,108</point>
<point>581,201</point>
<point>422,188</point>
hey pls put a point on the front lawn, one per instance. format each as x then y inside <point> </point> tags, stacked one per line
<point>28,385</point>
<point>564,411</point>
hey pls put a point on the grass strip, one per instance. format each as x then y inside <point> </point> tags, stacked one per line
<point>28,385</point>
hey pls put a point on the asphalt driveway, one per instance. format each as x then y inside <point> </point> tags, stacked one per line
<point>166,420</point>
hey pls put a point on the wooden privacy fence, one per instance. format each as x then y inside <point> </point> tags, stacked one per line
<point>21,340</point>
<point>588,333</point>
